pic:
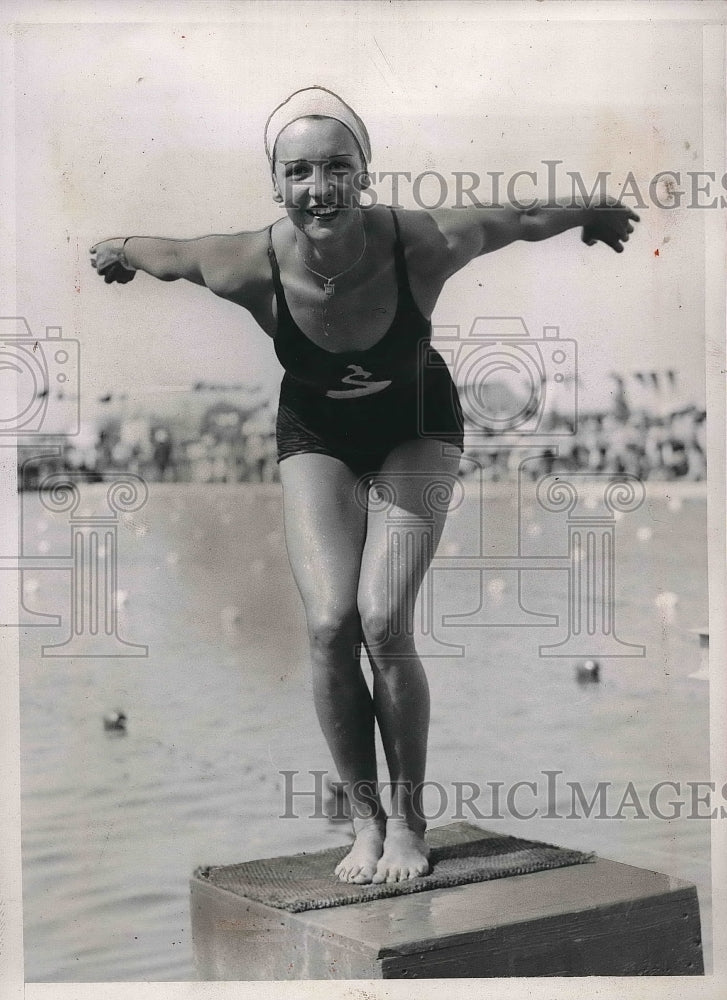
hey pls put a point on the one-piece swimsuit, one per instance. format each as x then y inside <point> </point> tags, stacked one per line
<point>357,406</point>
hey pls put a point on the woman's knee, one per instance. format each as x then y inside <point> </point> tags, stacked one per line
<point>384,627</point>
<point>333,631</point>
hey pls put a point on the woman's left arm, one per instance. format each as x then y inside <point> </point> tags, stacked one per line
<point>471,232</point>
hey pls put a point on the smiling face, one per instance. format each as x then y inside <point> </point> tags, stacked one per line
<point>317,170</point>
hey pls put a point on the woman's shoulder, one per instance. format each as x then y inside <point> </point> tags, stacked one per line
<point>424,240</point>
<point>249,244</point>
<point>418,227</point>
<point>239,261</point>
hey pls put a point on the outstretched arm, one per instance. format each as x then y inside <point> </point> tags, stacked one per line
<point>472,232</point>
<point>217,262</point>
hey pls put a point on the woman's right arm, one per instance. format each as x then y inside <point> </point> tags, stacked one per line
<point>219,263</point>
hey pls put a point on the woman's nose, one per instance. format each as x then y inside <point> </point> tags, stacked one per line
<point>322,181</point>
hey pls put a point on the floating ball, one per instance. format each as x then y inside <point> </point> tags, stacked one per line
<point>666,600</point>
<point>588,672</point>
<point>114,721</point>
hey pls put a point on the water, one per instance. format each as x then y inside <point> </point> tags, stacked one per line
<point>114,824</point>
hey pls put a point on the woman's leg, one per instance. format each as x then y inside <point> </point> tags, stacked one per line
<point>402,535</point>
<point>325,528</point>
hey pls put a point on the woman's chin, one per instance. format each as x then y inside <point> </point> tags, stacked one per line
<point>323,225</point>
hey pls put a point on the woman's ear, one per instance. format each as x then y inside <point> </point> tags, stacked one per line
<point>364,181</point>
<point>277,196</point>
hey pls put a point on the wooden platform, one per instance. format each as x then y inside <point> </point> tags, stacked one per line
<point>599,919</point>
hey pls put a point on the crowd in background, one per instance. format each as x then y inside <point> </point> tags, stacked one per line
<point>647,446</point>
<point>230,445</point>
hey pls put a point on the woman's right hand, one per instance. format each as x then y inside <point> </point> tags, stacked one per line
<point>107,257</point>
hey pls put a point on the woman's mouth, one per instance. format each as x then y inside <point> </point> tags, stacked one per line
<point>323,211</point>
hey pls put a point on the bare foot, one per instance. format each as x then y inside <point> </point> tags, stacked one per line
<point>405,854</point>
<point>359,864</point>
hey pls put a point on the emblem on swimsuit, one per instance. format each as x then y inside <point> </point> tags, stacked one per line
<point>358,377</point>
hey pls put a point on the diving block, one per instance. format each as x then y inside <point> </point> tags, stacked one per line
<point>602,918</point>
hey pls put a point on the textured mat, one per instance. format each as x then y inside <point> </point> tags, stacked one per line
<point>460,853</point>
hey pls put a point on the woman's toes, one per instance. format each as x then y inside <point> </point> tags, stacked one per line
<point>363,877</point>
<point>353,872</point>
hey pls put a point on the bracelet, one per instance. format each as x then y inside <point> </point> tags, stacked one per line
<point>124,260</point>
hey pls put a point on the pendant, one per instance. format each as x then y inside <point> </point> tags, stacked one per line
<point>329,289</point>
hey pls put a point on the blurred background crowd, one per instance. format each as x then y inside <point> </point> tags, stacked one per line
<point>226,434</point>
<point>672,446</point>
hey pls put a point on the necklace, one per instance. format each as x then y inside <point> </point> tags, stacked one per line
<point>329,288</point>
<point>328,282</point>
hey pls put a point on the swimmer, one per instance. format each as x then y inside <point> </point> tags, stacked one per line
<point>346,295</point>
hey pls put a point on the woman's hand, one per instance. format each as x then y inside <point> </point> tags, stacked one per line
<point>107,257</point>
<point>610,223</point>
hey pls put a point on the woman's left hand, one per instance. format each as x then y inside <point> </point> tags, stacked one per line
<point>609,223</point>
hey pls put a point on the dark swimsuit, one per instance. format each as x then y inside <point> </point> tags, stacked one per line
<point>358,405</point>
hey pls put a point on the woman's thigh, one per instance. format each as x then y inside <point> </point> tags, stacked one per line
<point>325,528</point>
<point>406,517</point>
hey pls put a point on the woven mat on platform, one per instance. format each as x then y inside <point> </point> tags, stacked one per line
<point>460,853</point>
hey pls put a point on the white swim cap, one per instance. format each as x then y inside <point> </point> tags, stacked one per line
<point>315,102</point>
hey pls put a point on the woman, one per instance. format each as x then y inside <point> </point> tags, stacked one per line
<point>346,296</point>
